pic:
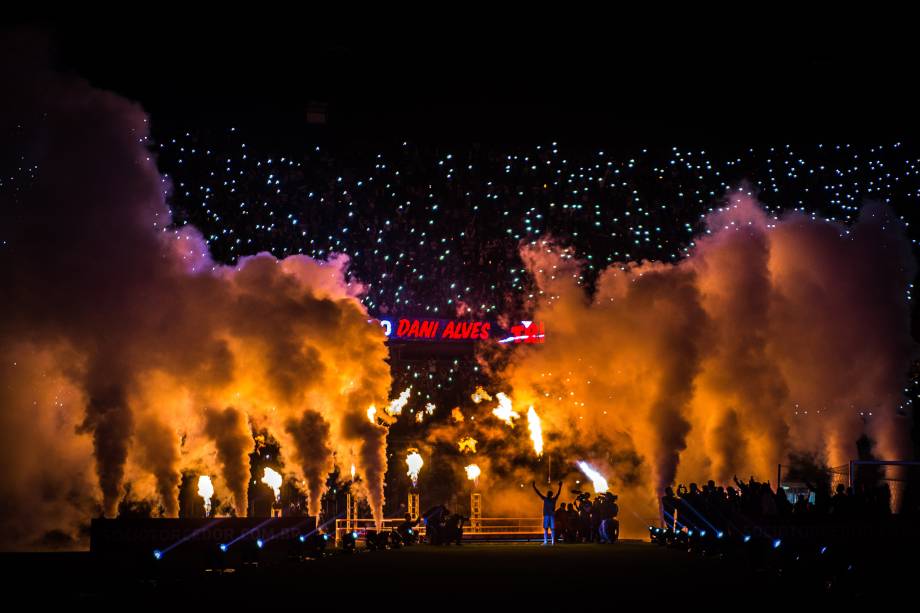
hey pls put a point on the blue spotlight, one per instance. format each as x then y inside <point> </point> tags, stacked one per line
<point>823,549</point>
<point>223,547</point>
<point>777,543</point>
<point>354,535</point>
<point>747,538</point>
<point>719,534</point>
<point>326,536</point>
<point>157,554</point>
<point>302,538</point>
<point>260,543</point>
<point>702,533</point>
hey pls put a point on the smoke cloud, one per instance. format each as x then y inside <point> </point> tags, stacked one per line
<point>773,337</point>
<point>312,452</point>
<point>128,355</point>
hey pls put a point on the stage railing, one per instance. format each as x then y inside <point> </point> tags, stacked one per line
<point>497,527</point>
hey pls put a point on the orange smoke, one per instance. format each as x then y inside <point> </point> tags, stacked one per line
<point>693,370</point>
<point>130,356</point>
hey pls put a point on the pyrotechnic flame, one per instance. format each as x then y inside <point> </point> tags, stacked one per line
<point>419,417</point>
<point>414,462</point>
<point>273,480</point>
<point>206,491</point>
<point>456,415</point>
<point>429,408</point>
<point>472,472</point>
<point>467,445</point>
<point>352,472</point>
<point>536,431</point>
<point>600,484</point>
<point>372,414</point>
<point>504,411</point>
<point>397,404</point>
<point>480,394</point>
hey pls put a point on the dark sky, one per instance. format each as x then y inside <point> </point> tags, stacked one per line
<point>610,82</point>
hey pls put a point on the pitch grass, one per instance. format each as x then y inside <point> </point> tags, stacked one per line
<point>446,576</point>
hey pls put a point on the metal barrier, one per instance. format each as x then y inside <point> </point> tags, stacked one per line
<point>489,527</point>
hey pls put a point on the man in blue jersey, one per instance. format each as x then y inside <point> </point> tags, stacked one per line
<point>549,509</point>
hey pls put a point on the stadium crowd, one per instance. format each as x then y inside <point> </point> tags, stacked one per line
<point>416,219</point>
<point>734,509</point>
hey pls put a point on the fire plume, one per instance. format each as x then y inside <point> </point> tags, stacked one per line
<point>597,479</point>
<point>397,405</point>
<point>504,411</point>
<point>536,431</point>
<point>206,491</point>
<point>414,462</point>
<point>273,479</point>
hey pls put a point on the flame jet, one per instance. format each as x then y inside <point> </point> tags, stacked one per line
<point>536,431</point>
<point>206,491</point>
<point>414,462</point>
<point>273,479</point>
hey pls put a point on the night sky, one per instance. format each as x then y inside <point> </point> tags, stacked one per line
<point>612,81</point>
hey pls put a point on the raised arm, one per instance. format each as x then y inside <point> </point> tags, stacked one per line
<point>533,484</point>
<point>559,491</point>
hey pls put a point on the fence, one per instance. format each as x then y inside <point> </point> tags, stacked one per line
<point>499,528</point>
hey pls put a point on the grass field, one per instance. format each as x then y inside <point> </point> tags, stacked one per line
<point>627,571</point>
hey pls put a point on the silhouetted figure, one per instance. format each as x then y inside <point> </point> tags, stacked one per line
<point>434,523</point>
<point>669,504</point>
<point>549,508</point>
<point>562,522</point>
<point>571,522</point>
<point>453,528</point>
<point>584,507</point>
<point>406,531</point>
<point>840,503</point>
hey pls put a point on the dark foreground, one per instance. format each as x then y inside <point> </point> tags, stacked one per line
<point>471,576</point>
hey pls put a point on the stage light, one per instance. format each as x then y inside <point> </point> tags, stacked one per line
<point>702,533</point>
<point>260,543</point>
<point>223,547</point>
<point>354,535</point>
<point>157,554</point>
<point>777,543</point>
<point>823,549</point>
<point>747,538</point>
<point>719,534</point>
<point>325,537</point>
<point>301,538</point>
